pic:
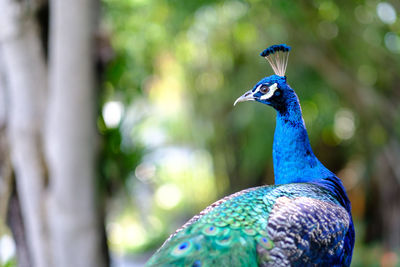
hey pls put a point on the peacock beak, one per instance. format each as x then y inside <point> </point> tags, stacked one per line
<point>248,96</point>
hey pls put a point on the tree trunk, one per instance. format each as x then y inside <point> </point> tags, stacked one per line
<point>5,165</point>
<point>16,224</point>
<point>26,83</point>
<point>70,135</point>
<point>10,207</point>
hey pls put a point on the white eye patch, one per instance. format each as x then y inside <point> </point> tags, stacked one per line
<point>270,93</point>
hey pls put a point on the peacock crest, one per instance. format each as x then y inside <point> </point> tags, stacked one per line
<point>277,56</point>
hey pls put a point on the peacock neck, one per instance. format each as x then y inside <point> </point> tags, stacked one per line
<point>294,160</point>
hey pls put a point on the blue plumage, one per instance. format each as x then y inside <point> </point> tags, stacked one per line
<point>303,220</point>
<point>292,152</point>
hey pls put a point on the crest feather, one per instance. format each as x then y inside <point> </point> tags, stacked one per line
<point>277,56</point>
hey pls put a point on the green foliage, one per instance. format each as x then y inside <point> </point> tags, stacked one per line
<point>9,263</point>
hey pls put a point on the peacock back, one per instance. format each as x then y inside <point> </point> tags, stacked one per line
<point>300,224</point>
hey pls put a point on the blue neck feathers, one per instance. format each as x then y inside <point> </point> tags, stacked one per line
<point>294,160</point>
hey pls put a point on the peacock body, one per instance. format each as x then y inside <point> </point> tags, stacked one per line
<point>303,220</point>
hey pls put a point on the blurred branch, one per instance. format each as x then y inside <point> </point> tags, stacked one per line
<point>5,164</point>
<point>391,153</point>
<point>25,71</point>
<point>389,204</point>
<point>5,175</point>
<point>16,224</point>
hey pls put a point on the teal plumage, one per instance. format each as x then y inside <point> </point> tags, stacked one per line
<point>243,229</point>
<point>303,220</point>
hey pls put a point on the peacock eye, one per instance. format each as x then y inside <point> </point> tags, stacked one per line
<point>264,89</point>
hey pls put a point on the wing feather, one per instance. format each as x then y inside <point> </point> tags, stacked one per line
<point>290,225</point>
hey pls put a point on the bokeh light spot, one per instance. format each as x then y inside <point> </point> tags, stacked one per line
<point>328,30</point>
<point>7,248</point>
<point>363,15</point>
<point>145,171</point>
<point>344,126</point>
<point>392,42</point>
<point>112,113</point>
<point>386,13</point>
<point>168,196</point>
<point>329,11</point>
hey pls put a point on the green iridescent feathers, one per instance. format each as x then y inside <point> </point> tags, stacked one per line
<point>233,231</point>
<point>227,234</point>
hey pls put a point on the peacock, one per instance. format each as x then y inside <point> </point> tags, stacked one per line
<point>304,219</point>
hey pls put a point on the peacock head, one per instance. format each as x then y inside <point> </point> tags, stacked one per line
<point>272,90</point>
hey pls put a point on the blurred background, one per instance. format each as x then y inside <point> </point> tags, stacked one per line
<point>117,122</point>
